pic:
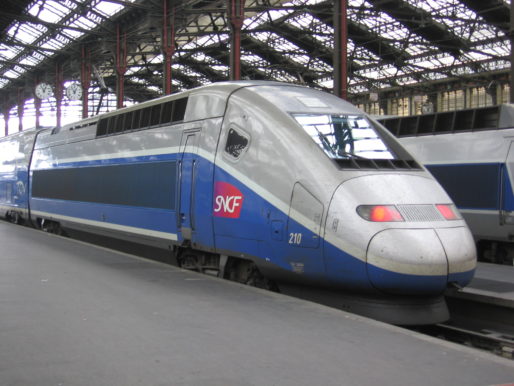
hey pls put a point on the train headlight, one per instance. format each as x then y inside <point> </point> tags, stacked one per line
<point>379,213</point>
<point>449,211</point>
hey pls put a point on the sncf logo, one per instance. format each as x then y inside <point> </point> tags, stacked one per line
<point>228,200</point>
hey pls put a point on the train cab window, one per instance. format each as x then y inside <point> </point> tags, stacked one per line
<point>344,137</point>
<point>236,144</point>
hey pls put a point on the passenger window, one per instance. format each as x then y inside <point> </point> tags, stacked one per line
<point>167,110</point>
<point>102,127</point>
<point>145,117</point>
<point>155,117</point>
<point>115,124</point>
<point>137,119</point>
<point>236,143</point>
<point>179,110</point>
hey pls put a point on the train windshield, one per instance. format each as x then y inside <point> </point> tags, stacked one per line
<point>345,136</point>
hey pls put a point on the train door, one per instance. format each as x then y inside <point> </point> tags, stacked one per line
<point>303,232</point>
<point>187,172</point>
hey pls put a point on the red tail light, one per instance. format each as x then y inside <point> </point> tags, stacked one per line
<point>448,211</point>
<point>379,213</point>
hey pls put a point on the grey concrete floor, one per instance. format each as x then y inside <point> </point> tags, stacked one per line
<point>76,314</point>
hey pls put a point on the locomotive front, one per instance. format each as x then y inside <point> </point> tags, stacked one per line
<point>340,205</point>
<point>390,226</point>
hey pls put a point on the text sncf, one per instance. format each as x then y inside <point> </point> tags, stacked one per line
<point>228,200</point>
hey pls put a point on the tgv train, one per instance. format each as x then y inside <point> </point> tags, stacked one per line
<point>264,183</point>
<point>471,154</point>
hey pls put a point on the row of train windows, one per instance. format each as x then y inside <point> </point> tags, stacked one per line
<point>159,114</point>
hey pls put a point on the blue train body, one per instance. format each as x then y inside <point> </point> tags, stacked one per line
<point>263,183</point>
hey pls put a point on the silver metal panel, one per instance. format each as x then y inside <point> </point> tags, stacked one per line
<point>420,213</point>
<point>408,251</point>
<point>281,153</point>
<point>16,149</point>
<point>506,116</point>
<point>459,247</point>
<point>353,233</point>
<point>475,147</point>
<point>485,225</point>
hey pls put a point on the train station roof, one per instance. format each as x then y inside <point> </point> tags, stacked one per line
<point>391,43</point>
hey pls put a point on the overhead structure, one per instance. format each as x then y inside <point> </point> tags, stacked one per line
<point>147,48</point>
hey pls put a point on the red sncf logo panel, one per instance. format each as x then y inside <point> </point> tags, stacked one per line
<point>228,200</point>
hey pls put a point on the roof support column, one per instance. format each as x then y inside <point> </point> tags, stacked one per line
<point>21,107</point>
<point>511,52</point>
<point>235,11</point>
<point>340,49</point>
<point>85,79</point>
<point>121,66</point>
<point>59,80</point>
<point>168,44</point>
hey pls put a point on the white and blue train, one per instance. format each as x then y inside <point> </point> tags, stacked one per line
<point>264,183</point>
<point>471,153</point>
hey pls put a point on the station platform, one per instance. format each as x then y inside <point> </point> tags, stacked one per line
<point>78,314</point>
<point>492,284</point>
<point>487,303</point>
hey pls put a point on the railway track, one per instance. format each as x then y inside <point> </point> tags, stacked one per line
<point>477,321</point>
<point>494,341</point>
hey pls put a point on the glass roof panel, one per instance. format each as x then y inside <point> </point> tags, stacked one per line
<point>8,52</point>
<point>297,38</point>
<point>108,9</point>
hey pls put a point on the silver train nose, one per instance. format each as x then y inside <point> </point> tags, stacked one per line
<point>420,260</point>
<point>400,252</point>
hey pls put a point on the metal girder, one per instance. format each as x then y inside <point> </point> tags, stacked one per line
<point>52,26</point>
<point>304,40</point>
<point>10,8</point>
<point>379,44</point>
<point>421,23</point>
<point>219,52</point>
<point>263,51</point>
<point>204,68</point>
<point>363,37</point>
<point>495,12</point>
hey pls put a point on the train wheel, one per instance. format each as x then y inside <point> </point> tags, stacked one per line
<point>256,279</point>
<point>200,262</point>
<point>246,272</point>
<point>14,217</point>
<point>52,227</point>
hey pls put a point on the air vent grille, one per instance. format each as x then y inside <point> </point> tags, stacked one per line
<point>420,213</point>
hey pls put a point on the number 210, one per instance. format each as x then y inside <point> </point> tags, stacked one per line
<point>295,238</point>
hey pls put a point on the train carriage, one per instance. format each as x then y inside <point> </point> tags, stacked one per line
<point>265,183</point>
<point>471,153</point>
